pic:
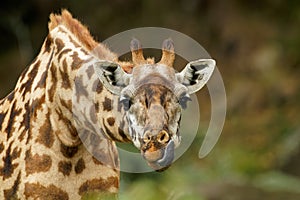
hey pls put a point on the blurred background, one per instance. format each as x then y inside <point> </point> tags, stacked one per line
<point>256,45</point>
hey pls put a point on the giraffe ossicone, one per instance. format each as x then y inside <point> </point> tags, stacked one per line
<point>58,127</point>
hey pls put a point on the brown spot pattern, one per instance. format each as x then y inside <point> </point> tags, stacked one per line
<point>37,191</point>
<point>51,91</point>
<point>90,71</point>
<point>80,166</point>
<point>97,87</point>
<point>10,123</point>
<point>26,87</point>
<point>77,62</point>
<point>26,117</point>
<point>68,152</point>
<point>65,167</point>
<point>42,81</point>
<point>107,104</point>
<point>36,105</point>
<point>111,121</point>
<point>101,185</point>
<point>46,136</point>
<point>16,153</point>
<point>1,147</point>
<point>65,76</point>
<point>2,116</point>
<point>8,169</point>
<point>36,163</point>
<point>48,44</point>
<point>97,107</point>
<point>59,45</point>
<point>80,88</point>
<point>12,192</point>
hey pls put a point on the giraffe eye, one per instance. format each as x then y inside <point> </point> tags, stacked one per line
<point>183,100</point>
<point>126,102</point>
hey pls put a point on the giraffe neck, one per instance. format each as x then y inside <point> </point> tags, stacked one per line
<point>77,94</point>
<point>41,114</point>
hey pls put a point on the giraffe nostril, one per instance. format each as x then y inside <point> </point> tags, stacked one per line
<point>163,137</point>
<point>147,137</point>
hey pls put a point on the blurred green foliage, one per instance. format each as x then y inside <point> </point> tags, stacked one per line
<point>256,45</point>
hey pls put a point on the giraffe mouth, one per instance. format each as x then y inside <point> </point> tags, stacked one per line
<point>160,158</point>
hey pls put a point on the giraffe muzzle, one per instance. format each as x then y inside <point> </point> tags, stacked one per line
<point>158,150</point>
<point>166,159</point>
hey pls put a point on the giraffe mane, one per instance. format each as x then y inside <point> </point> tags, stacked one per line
<point>82,33</point>
<point>79,30</point>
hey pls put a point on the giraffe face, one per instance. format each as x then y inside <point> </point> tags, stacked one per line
<point>153,97</point>
<point>154,115</point>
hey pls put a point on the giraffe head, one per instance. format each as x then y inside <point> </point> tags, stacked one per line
<point>153,97</point>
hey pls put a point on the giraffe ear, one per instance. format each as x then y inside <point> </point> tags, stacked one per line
<point>112,76</point>
<point>196,74</point>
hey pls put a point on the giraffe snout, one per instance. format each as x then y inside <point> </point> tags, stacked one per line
<point>158,149</point>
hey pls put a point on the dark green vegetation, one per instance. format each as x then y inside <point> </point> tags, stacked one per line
<point>256,45</point>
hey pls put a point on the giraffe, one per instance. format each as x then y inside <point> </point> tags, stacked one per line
<point>46,119</point>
